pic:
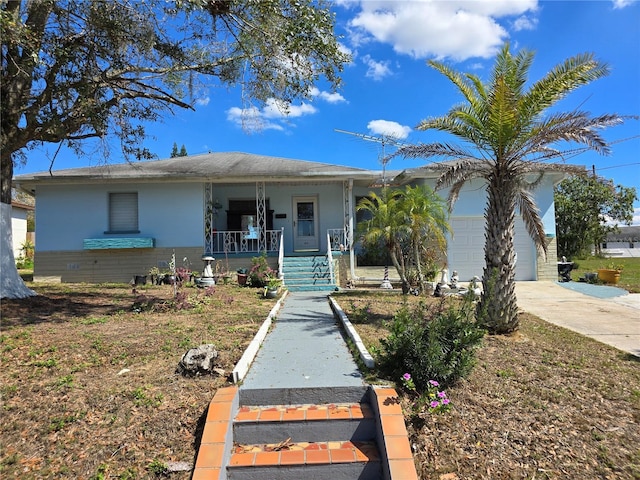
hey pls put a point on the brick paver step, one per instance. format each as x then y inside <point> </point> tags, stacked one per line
<point>314,423</point>
<point>311,460</point>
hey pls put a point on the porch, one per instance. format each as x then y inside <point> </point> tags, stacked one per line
<point>253,241</point>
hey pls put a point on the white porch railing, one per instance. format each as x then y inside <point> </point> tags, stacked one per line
<point>243,242</point>
<point>337,239</point>
<point>330,259</point>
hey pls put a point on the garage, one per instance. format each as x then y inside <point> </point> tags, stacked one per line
<point>466,249</point>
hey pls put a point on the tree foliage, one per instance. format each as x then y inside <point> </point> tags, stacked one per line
<point>587,208</point>
<point>411,223</point>
<point>178,153</point>
<point>507,137</point>
<point>78,70</point>
<point>73,70</point>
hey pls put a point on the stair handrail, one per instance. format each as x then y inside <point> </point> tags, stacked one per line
<point>281,256</point>
<point>330,259</point>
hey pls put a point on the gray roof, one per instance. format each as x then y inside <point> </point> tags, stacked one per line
<point>218,166</point>
<point>626,234</point>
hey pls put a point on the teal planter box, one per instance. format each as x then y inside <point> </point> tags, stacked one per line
<point>112,243</point>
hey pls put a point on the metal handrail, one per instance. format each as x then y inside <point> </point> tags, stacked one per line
<point>281,256</point>
<point>330,259</point>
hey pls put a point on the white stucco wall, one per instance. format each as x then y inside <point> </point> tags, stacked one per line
<point>68,214</point>
<point>18,229</point>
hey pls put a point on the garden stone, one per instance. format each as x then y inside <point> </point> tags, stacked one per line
<point>199,361</point>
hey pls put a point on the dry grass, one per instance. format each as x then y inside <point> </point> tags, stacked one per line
<point>69,409</point>
<point>544,403</point>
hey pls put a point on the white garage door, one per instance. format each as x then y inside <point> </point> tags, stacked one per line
<point>466,249</point>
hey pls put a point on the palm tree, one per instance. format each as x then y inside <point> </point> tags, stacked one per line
<point>427,219</point>
<point>385,224</point>
<point>406,221</point>
<point>507,138</point>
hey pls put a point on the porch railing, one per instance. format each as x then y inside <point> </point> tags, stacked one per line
<point>337,239</point>
<point>243,242</point>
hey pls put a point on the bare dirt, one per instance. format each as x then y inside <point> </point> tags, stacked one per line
<point>89,389</point>
<point>544,403</point>
<point>88,382</point>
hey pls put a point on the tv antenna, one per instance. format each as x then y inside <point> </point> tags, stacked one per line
<point>383,140</point>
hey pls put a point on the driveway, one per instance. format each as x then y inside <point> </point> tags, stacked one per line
<point>593,312</point>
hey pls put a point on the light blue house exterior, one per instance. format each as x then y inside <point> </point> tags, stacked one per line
<point>112,222</point>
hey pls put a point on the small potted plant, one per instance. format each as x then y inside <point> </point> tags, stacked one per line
<point>610,273</point>
<point>272,287</point>
<point>242,276</point>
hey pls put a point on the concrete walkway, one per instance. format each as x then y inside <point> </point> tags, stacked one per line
<point>614,320</point>
<point>305,349</point>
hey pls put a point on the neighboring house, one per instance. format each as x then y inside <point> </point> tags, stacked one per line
<point>112,222</point>
<point>624,243</point>
<point>19,213</point>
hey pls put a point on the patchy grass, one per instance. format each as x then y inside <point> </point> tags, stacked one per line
<point>88,381</point>
<point>544,403</point>
<point>629,278</point>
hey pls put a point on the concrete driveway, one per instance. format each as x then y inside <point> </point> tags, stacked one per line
<point>614,320</point>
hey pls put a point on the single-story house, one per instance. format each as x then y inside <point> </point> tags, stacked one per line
<point>623,243</point>
<point>111,222</point>
<point>19,214</point>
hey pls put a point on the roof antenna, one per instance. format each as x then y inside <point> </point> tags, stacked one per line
<point>383,140</point>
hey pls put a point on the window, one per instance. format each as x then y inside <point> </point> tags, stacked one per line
<point>123,212</point>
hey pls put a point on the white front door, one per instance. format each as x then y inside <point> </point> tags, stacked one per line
<point>305,223</point>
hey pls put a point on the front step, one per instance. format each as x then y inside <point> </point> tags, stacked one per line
<point>291,442</point>
<point>287,460</point>
<point>362,437</point>
<point>310,433</point>
<point>310,273</point>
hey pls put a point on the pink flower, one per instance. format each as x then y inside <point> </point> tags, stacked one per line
<point>406,377</point>
<point>433,383</point>
<point>442,395</point>
<point>434,404</point>
<point>445,401</point>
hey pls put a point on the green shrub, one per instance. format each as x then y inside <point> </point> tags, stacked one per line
<point>431,344</point>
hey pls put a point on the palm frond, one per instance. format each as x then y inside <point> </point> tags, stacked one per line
<point>531,218</point>
<point>560,81</point>
<point>464,85</point>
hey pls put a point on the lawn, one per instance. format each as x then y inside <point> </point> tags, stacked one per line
<point>88,379</point>
<point>545,403</point>
<point>629,278</point>
<point>89,388</point>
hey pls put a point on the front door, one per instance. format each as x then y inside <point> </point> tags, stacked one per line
<point>305,223</point>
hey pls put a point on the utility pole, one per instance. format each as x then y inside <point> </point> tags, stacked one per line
<point>383,140</point>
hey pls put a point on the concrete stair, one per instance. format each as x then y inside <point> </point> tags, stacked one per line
<point>307,273</point>
<point>362,436</point>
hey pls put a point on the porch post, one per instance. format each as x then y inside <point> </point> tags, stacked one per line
<point>262,216</point>
<point>348,193</point>
<point>209,237</point>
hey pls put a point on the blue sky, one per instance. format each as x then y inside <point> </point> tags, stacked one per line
<point>388,88</point>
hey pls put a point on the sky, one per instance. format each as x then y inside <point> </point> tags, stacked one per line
<point>388,88</point>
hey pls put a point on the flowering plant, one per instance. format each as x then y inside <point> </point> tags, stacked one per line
<point>435,399</point>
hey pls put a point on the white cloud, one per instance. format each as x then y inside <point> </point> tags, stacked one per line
<point>622,3</point>
<point>389,128</point>
<point>376,70</point>
<point>525,23</point>
<point>456,29</point>
<point>328,97</point>
<point>270,117</point>
<point>203,101</point>
<point>251,119</point>
<point>636,216</point>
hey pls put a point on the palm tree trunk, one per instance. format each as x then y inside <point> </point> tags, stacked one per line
<point>400,268</point>
<point>498,309</point>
